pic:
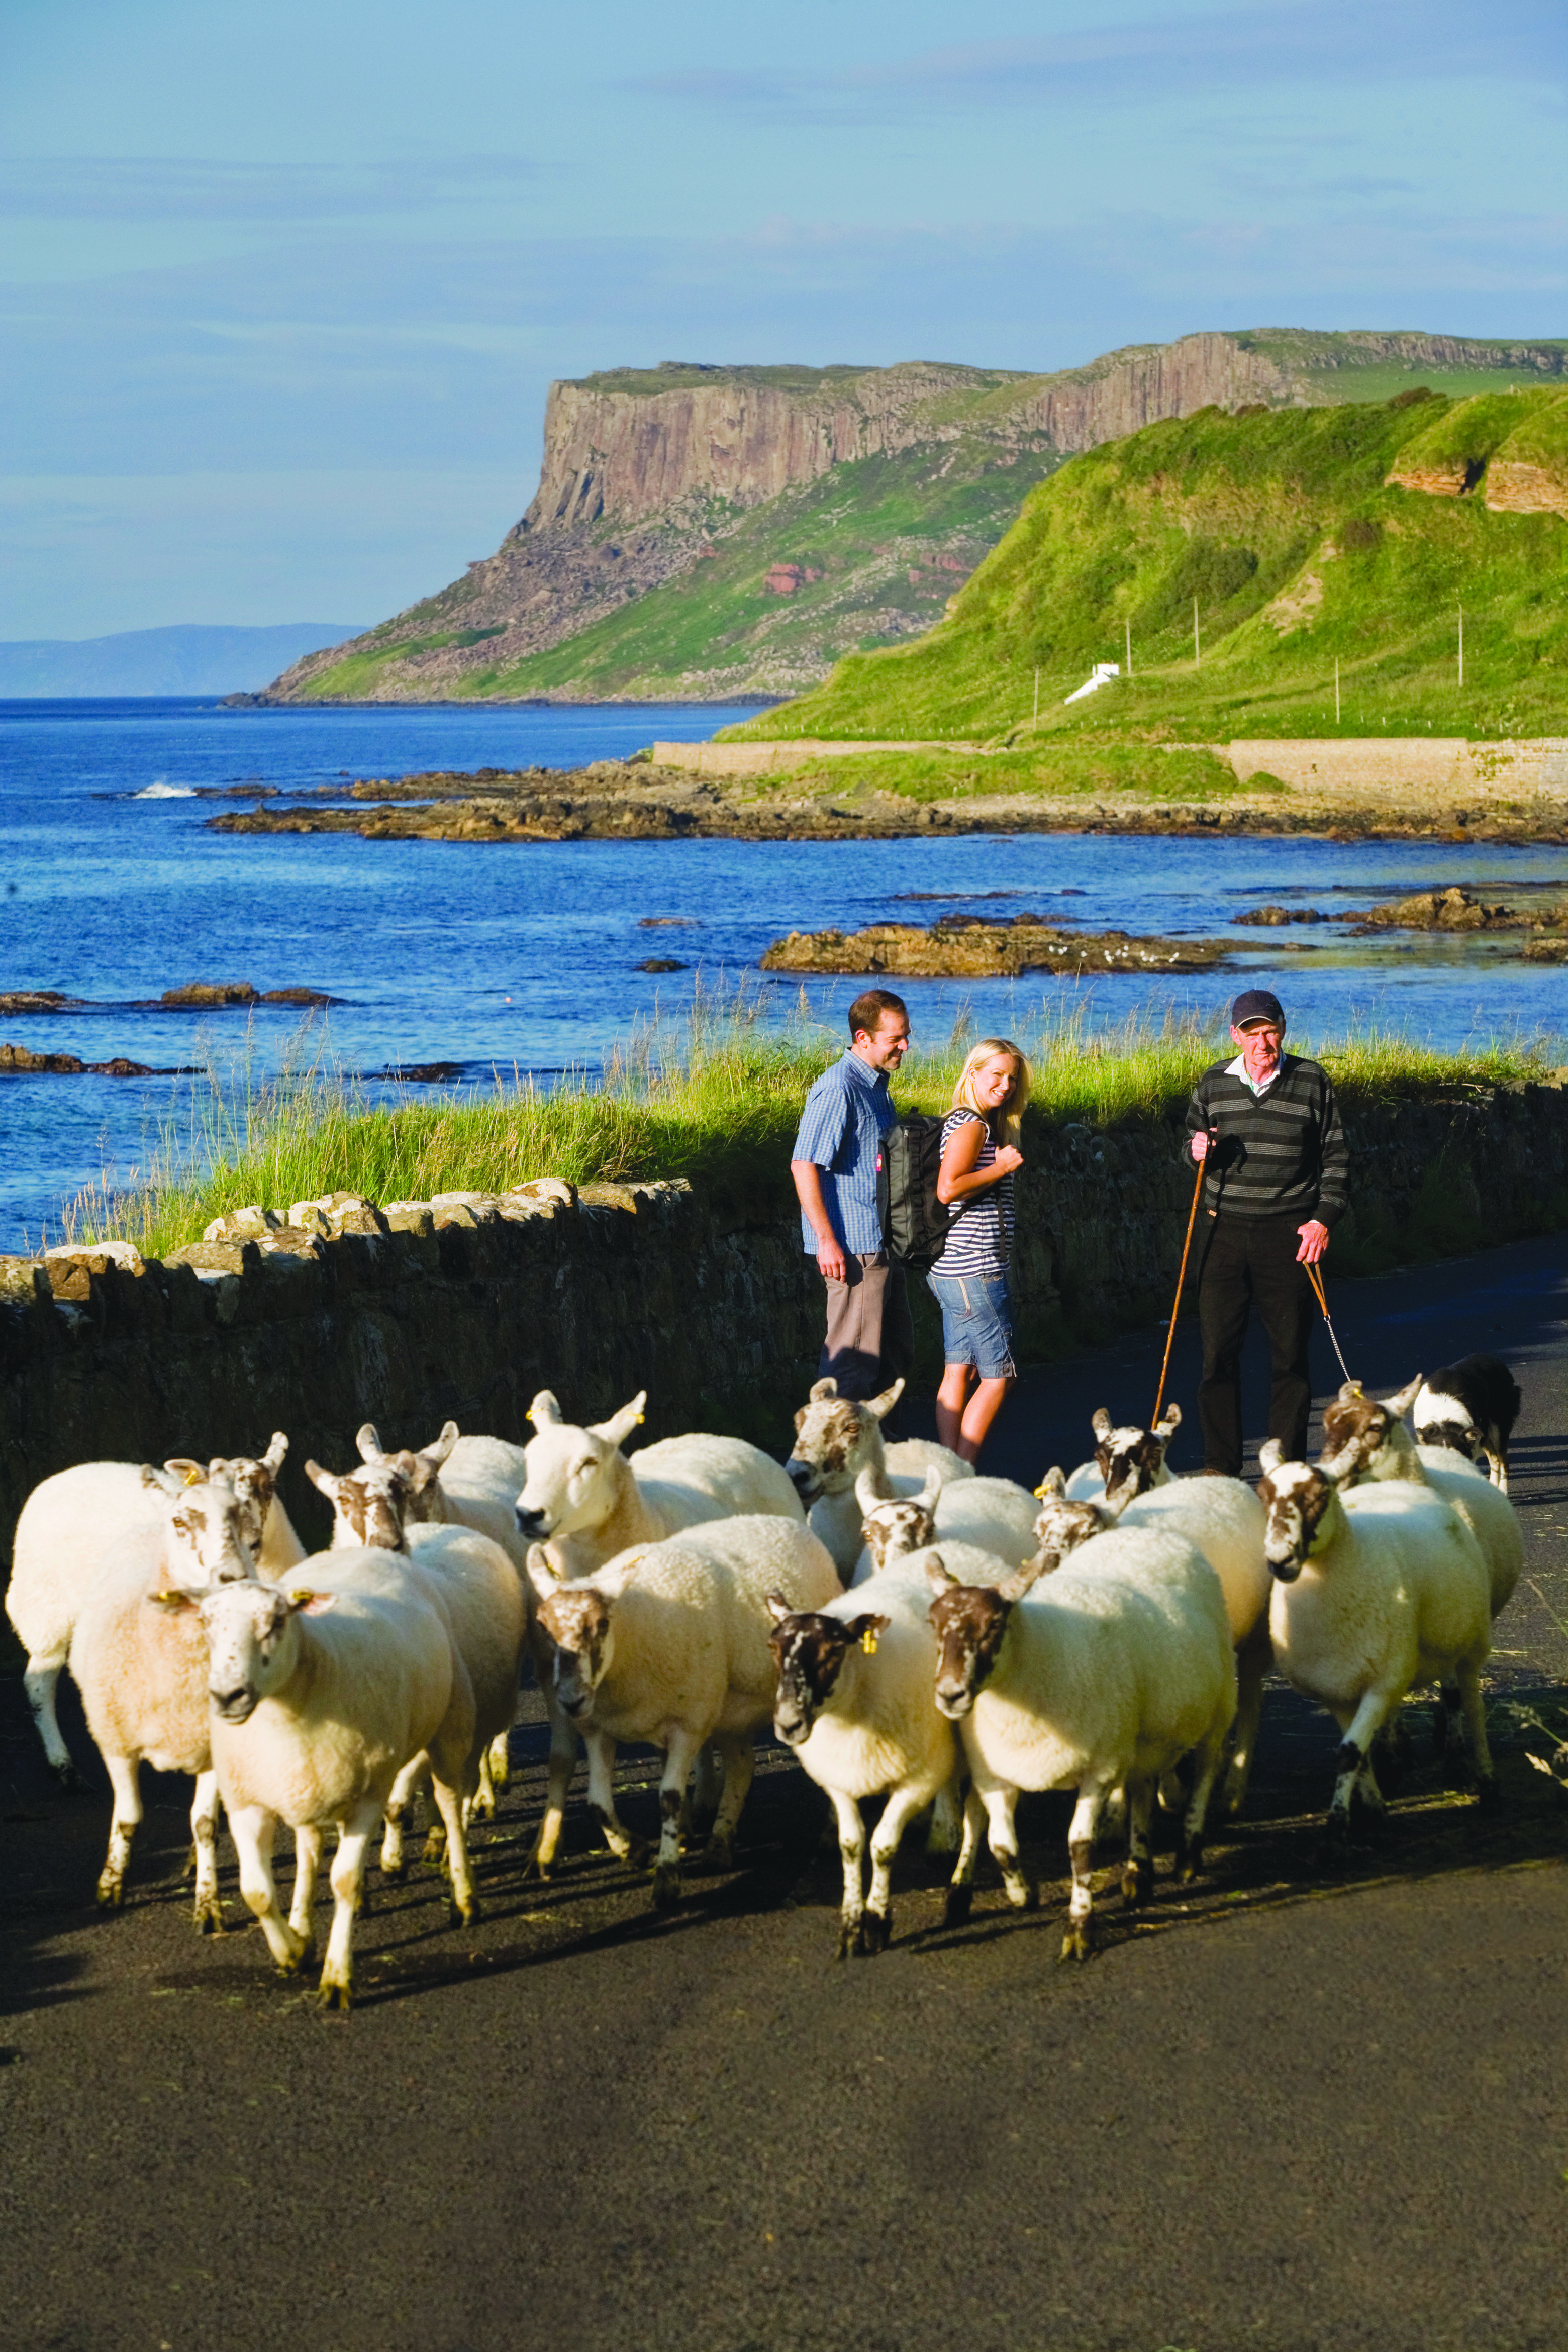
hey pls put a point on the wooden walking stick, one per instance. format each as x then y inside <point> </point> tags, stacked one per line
<point>1186,1246</point>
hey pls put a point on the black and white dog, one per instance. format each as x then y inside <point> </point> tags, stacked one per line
<point>1470,1404</point>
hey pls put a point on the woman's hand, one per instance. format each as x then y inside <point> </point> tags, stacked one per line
<point>1007,1159</point>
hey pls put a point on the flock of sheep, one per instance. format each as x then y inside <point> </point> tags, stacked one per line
<point>911,1632</point>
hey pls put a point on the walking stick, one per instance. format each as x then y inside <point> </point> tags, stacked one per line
<point>1316,1279</point>
<point>1171,1334</point>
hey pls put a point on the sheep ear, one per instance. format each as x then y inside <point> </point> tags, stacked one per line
<point>310,1604</point>
<point>436,1452</point>
<point>544,1410</point>
<point>1099,1421</point>
<point>620,1425</point>
<point>367,1440</point>
<point>324,1479</point>
<point>932,1487</point>
<point>779,1609</point>
<point>1403,1399</point>
<point>540,1574</point>
<point>883,1406</point>
<point>866,1628</point>
<point>153,1476</point>
<point>820,1388</point>
<point>1013,1587</point>
<point>189,1472</point>
<point>868,1493</point>
<point>1349,1391</point>
<point>939,1575</point>
<point>174,1598</point>
<point>1053,1483</point>
<point>1270,1455</point>
<point>1169,1422</point>
<point>277,1452</point>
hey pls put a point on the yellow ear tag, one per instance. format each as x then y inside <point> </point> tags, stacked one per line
<point>193,1477</point>
<point>641,1418</point>
<point>868,1643</point>
<point>1039,1493</point>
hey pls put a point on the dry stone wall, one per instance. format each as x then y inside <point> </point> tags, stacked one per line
<point>408,1314</point>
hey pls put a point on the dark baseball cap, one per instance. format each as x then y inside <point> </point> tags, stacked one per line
<point>1257,1005</point>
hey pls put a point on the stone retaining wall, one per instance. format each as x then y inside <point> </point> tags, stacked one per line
<point>466,1305</point>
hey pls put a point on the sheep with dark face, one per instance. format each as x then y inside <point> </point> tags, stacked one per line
<point>836,1439</point>
<point>1376,1588</point>
<point>1093,1680</point>
<point>1128,1460</point>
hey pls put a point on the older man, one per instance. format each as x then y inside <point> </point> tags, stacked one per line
<point>837,1165</point>
<point>1267,1127</point>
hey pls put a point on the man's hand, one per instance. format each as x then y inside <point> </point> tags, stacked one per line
<point>829,1248</point>
<point>1202,1143</point>
<point>831,1262</point>
<point>1314,1242</point>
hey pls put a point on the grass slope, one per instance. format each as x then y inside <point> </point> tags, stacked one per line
<point>1284,530</point>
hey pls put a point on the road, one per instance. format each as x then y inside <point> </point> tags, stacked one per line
<point>1291,2112</point>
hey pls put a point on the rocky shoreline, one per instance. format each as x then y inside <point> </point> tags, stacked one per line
<point>636,801</point>
<point>967,946</point>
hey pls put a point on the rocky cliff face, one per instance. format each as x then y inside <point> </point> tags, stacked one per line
<point>645,471</point>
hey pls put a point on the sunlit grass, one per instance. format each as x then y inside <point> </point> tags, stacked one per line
<point>714,1096</point>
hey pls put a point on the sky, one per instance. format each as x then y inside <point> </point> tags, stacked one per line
<point>282,288</point>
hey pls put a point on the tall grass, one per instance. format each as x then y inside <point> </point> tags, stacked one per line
<point>714,1096</point>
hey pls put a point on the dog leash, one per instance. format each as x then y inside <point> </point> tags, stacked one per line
<point>1316,1279</point>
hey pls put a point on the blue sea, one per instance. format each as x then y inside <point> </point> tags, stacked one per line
<point>525,956</point>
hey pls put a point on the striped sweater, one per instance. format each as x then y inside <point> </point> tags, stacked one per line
<point>1280,1154</point>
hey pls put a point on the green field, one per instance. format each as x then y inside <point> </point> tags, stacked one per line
<point>1283,529</point>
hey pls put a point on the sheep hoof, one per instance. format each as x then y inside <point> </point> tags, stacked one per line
<point>1023,1893</point>
<point>396,1870</point>
<point>960,1904</point>
<point>1189,1861</point>
<point>720,1854</point>
<point>434,1850</point>
<point>482,1807</point>
<point>1137,1882</point>
<point>875,1931</point>
<point>208,1917</point>
<point>848,1935</point>
<point>461,1915</point>
<point>666,1886</point>
<point>110,1892</point>
<point>68,1777</point>
<point>333,1995</point>
<point>1488,1793</point>
<point>1077,1941</point>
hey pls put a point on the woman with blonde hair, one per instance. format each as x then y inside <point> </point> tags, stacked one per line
<point>980,1140</point>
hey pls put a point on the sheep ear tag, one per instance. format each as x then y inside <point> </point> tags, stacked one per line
<point>193,1476</point>
<point>868,1642</point>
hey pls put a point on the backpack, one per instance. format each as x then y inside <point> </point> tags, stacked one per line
<point>914,1222</point>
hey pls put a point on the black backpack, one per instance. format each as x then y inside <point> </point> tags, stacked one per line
<point>914,1222</point>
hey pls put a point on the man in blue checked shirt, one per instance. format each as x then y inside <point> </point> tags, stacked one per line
<point>837,1165</point>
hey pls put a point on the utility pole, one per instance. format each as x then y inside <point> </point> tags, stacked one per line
<point>1198,649</point>
<point>1130,646</point>
<point>1461,644</point>
<point>1336,690</point>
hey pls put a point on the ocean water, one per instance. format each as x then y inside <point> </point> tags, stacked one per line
<point>526,956</point>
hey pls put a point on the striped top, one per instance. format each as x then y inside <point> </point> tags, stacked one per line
<point>1281,1152</point>
<point>980,1235</point>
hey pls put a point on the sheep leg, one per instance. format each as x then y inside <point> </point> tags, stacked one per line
<point>1356,1748</point>
<point>1077,1941</point>
<point>354,1835</point>
<point>703,1796</point>
<point>876,1925</point>
<point>399,1811</point>
<point>602,1800</point>
<point>124,1774</point>
<point>1138,1872</point>
<point>500,1758</point>
<point>39,1682</point>
<point>1003,1839</point>
<point>207,1914</point>
<point>1207,1758</point>
<point>482,1803</point>
<point>1253,1660</point>
<point>1487,1792</point>
<point>307,1865</point>
<point>563,1764</point>
<point>678,1760</point>
<point>946,1832</point>
<point>852,1854</point>
<point>740,1766</point>
<point>961,1888</point>
<point>252,1828</point>
<point>463,1904</point>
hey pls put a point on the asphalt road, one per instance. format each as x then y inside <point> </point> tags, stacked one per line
<point>1287,2112</point>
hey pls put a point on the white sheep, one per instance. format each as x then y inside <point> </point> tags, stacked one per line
<point>473,1482</point>
<point>1376,1588</point>
<point>837,1438</point>
<point>1225,1521</point>
<point>855,1703</point>
<point>142,1677</point>
<point>668,1644</point>
<point>1129,1458</point>
<point>1089,1679</point>
<point>67,1523</point>
<point>991,1514</point>
<point>320,1690</point>
<point>479,1589</point>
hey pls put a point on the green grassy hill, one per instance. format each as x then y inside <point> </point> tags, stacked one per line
<point>1294,536</point>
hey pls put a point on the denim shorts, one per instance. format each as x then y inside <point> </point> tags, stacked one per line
<point>976,1322</point>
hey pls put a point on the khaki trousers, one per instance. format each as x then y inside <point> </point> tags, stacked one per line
<point>870,1336</point>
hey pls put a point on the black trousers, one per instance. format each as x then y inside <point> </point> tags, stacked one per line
<point>1252,1261</point>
